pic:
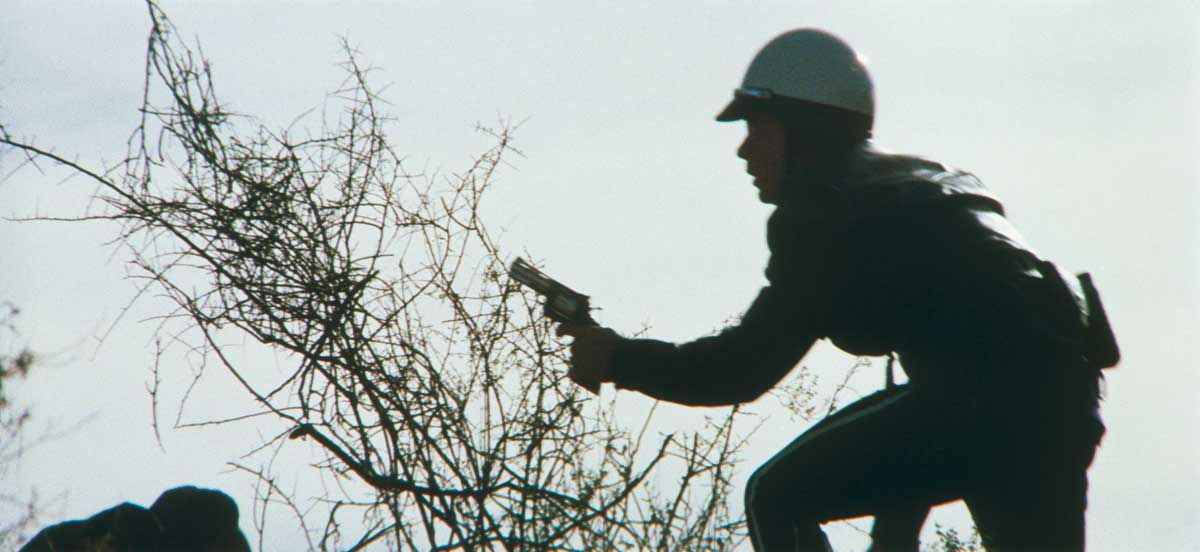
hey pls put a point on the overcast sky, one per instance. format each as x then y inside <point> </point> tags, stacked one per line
<point>1081,115</point>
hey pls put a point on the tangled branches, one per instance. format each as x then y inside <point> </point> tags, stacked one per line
<point>421,371</point>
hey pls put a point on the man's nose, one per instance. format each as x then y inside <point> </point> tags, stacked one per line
<point>742,149</point>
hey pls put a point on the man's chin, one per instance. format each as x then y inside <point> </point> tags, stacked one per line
<point>767,198</point>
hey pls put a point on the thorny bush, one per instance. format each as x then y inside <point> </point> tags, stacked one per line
<point>421,371</point>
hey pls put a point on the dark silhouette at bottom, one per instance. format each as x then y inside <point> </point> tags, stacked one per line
<point>183,519</point>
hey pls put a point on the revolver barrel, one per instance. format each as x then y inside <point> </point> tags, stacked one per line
<point>563,304</point>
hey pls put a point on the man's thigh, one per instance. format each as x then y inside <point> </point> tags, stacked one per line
<point>887,451</point>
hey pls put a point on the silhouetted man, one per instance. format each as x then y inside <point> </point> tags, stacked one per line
<point>883,254</point>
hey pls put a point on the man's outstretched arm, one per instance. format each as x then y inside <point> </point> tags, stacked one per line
<point>738,365</point>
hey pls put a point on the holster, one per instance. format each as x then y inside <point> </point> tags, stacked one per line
<point>1100,344</point>
<point>1090,331</point>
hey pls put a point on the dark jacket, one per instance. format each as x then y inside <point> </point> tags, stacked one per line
<point>892,254</point>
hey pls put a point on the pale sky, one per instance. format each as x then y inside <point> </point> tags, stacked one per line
<point>1081,115</point>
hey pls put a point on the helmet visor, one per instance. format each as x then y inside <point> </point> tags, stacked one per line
<point>745,100</point>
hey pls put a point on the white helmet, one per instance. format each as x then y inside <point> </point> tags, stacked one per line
<point>809,65</point>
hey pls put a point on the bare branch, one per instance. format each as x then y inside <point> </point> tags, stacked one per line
<point>428,381</point>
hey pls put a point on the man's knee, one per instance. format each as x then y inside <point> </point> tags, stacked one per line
<point>781,515</point>
<point>763,495</point>
<point>752,496</point>
<point>771,493</point>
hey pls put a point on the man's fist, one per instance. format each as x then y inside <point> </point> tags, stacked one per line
<point>591,354</point>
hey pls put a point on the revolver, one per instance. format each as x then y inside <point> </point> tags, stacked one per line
<point>563,304</point>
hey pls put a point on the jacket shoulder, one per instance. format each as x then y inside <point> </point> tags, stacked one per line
<point>881,183</point>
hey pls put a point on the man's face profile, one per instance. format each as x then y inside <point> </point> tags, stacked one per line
<point>764,151</point>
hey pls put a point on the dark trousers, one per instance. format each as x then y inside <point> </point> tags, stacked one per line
<point>898,452</point>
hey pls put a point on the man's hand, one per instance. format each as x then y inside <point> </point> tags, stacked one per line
<point>591,354</point>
